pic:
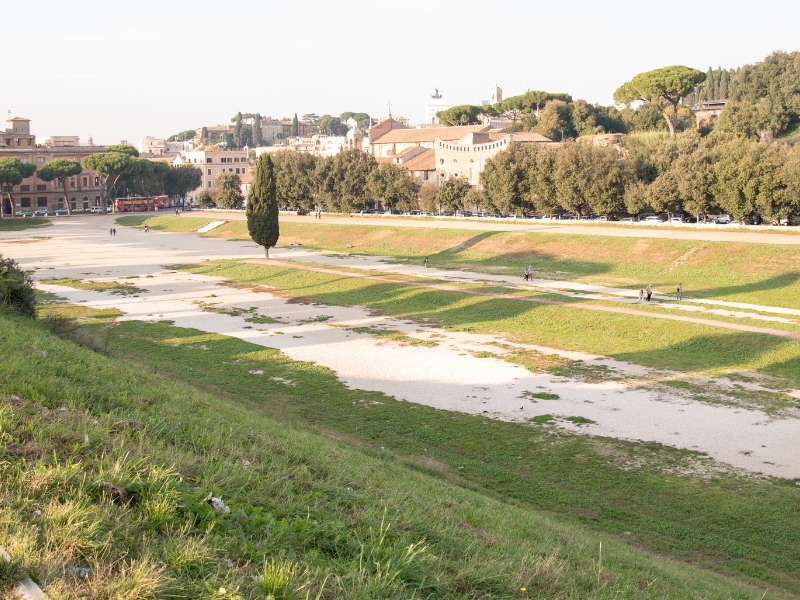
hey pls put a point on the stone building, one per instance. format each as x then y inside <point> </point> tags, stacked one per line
<point>83,191</point>
<point>213,163</point>
<point>706,112</point>
<point>466,156</point>
<point>397,139</point>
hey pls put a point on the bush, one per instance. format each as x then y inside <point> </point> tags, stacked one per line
<point>16,289</point>
<point>207,199</point>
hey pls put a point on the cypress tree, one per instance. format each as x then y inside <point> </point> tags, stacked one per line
<point>723,85</point>
<point>709,84</point>
<point>262,205</point>
<point>295,126</point>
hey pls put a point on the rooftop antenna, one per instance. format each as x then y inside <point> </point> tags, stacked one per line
<point>390,109</point>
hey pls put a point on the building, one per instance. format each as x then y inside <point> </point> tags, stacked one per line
<point>213,163</point>
<point>83,191</point>
<point>433,106</point>
<point>421,161</point>
<point>706,112</point>
<point>214,133</point>
<point>273,130</point>
<point>153,146</point>
<point>466,157</point>
<point>394,140</point>
<point>495,95</point>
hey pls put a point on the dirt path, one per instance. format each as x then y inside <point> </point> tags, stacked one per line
<point>789,335</point>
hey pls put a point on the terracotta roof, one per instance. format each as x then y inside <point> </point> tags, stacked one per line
<point>413,136</point>
<point>382,160</point>
<point>246,178</point>
<point>425,161</point>
<point>404,152</point>
<point>529,136</point>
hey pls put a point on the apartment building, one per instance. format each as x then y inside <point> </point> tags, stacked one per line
<point>214,163</point>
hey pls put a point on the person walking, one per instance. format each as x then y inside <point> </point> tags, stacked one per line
<point>649,291</point>
<point>111,231</point>
<point>114,231</point>
<point>530,273</point>
<point>426,262</point>
<point>641,295</point>
<point>680,292</point>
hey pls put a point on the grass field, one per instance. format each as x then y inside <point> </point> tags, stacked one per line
<point>107,461</point>
<point>9,224</point>
<point>740,272</point>
<point>683,347</point>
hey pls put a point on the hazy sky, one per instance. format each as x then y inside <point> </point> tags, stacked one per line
<point>117,70</point>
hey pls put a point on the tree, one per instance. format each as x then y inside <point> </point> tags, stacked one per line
<point>118,161</point>
<point>541,180</point>
<point>395,185</point>
<point>636,198</point>
<point>695,172</point>
<point>428,197</point>
<point>207,199</point>
<point>12,172</point>
<point>262,205</point>
<point>663,194</point>
<point>453,192</point>
<point>737,182</point>
<point>229,190</point>
<point>60,169</point>
<point>604,181</point>
<point>255,130</point>
<point>568,176</point>
<point>149,175</point>
<point>661,88</point>
<point>504,179</point>
<point>555,121</point>
<point>311,118</point>
<point>723,85</point>
<point>295,178</point>
<point>464,114</point>
<point>329,125</point>
<point>363,120</point>
<point>764,99</point>
<point>204,135</point>
<point>295,126</point>
<point>178,182</point>
<point>343,180</point>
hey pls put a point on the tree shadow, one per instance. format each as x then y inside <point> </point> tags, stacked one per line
<point>766,285</point>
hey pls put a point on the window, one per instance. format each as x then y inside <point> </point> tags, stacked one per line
<point>237,171</point>
<point>41,201</point>
<point>209,183</point>
<point>85,181</point>
<point>209,171</point>
<point>29,141</point>
<point>236,160</point>
<point>24,160</point>
<point>25,202</point>
<point>40,160</point>
<point>244,170</point>
<point>97,181</point>
<point>41,187</point>
<point>25,188</point>
<point>208,160</point>
<point>71,182</point>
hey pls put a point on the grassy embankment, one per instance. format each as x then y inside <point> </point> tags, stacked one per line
<point>741,272</point>
<point>9,224</point>
<point>329,517</point>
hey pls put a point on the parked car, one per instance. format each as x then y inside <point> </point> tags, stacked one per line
<point>60,212</point>
<point>42,212</point>
<point>722,219</point>
<point>627,220</point>
<point>24,213</point>
<point>654,219</point>
<point>676,220</point>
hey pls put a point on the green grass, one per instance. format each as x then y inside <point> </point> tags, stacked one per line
<point>683,347</point>
<point>310,515</point>
<point>182,224</point>
<point>544,396</point>
<point>733,271</point>
<point>9,224</point>
<point>740,526</point>
<point>112,287</point>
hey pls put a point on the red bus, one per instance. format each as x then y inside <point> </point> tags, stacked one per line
<point>141,203</point>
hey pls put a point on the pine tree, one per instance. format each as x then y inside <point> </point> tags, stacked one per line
<point>723,85</point>
<point>262,205</point>
<point>295,126</point>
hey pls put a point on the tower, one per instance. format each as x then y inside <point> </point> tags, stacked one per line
<point>495,95</point>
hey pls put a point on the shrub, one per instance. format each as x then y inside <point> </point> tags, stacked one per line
<point>16,289</point>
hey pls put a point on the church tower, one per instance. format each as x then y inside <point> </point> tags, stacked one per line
<point>495,95</point>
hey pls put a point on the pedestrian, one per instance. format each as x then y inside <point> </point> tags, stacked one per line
<point>111,231</point>
<point>114,231</point>
<point>146,228</point>
<point>649,291</point>
<point>530,273</point>
<point>680,292</point>
<point>426,262</point>
<point>641,295</point>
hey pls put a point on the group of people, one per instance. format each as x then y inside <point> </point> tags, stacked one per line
<point>529,273</point>
<point>646,293</point>
<point>112,231</point>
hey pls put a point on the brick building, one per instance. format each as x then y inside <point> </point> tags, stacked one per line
<point>83,191</point>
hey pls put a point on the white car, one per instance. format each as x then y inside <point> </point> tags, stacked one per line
<point>654,219</point>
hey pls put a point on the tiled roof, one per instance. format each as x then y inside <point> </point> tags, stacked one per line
<point>404,152</point>
<point>414,136</point>
<point>529,136</point>
<point>382,160</point>
<point>425,161</point>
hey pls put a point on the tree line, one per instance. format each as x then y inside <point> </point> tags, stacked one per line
<point>689,174</point>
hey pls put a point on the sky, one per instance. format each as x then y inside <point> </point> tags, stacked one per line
<point>123,70</point>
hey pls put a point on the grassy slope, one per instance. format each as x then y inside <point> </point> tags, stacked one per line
<point>741,272</point>
<point>652,342</point>
<point>9,224</point>
<point>303,500</point>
